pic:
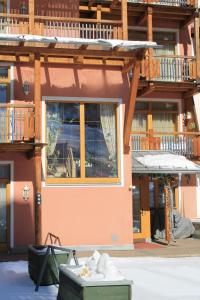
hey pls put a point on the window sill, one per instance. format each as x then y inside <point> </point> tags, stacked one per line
<point>81,181</point>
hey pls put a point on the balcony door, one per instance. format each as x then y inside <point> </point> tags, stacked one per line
<point>4,207</point>
<point>154,124</point>
<point>165,57</point>
<point>4,214</point>
<point>4,97</point>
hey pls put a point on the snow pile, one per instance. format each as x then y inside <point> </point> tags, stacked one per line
<point>169,161</point>
<point>99,268</point>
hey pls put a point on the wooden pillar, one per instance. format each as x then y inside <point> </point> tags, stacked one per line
<point>37,97</point>
<point>150,37</point>
<point>31,16</point>
<point>38,208</point>
<point>167,212</point>
<point>124,17</point>
<point>131,104</point>
<point>38,166</point>
<point>197,48</point>
<point>99,13</point>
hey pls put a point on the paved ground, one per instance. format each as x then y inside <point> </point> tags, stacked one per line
<point>181,248</point>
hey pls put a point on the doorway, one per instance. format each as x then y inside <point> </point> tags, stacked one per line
<point>4,207</point>
<point>148,203</point>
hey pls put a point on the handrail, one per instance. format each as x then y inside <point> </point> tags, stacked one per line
<point>175,56</point>
<point>10,105</point>
<point>82,20</point>
<point>17,16</point>
<point>164,133</point>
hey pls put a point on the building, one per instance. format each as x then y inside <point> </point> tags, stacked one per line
<point>68,88</point>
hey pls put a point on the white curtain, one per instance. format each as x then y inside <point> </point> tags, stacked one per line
<point>108,123</point>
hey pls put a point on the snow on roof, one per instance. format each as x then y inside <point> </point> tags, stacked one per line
<point>126,45</point>
<point>162,162</point>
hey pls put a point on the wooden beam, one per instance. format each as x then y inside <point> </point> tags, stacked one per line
<point>167,212</point>
<point>65,52</point>
<point>131,105</point>
<point>150,37</point>
<point>38,189</point>
<point>94,8</point>
<point>197,44</point>
<point>31,16</point>
<point>140,20</point>
<point>186,22</point>
<point>124,16</point>
<point>90,3</point>
<point>37,97</point>
<point>147,90</point>
<point>128,66</point>
<point>114,3</point>
<point>190,93</point>
<point>38,173</point>
<point>83,47</point>
<point>52,45</point>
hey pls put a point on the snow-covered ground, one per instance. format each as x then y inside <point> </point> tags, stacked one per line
<point>154,279</point>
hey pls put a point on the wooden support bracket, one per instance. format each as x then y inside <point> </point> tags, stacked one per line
<point>131,104</point>
<point>147,90</point>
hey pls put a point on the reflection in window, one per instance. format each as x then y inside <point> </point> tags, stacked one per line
<point>136,209</point>
<point>100,141</point>
<point>63,136</point>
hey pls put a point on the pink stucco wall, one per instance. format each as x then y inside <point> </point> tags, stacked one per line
<point>189,196</point>
<point>93,215</point>
<point>23,174</point>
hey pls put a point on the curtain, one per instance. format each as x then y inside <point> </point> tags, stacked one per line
<point>53,127</point>
<point>108,124</point>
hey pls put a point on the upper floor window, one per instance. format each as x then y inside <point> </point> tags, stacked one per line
<point>82,142</point>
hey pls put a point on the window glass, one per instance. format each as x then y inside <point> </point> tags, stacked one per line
<point>63,137</point>
<point>3,72</point>
<point>141,105</point>
<point>167,106</point>
<point>136,209</point>
<point>100,140</point>
<point>3,93</point>
<point>64,157</point>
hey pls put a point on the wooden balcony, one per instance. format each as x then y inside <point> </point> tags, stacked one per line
<point>61,27</point>
<point>169,68</point>
<point>183,143</point>
<point>16,126</point>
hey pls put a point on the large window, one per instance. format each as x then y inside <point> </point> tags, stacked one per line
<point>82,142</point>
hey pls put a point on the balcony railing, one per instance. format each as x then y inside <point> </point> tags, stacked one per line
<point>169,68</point>
<point>183,143</point>
<point>183,3</point>
<point>16,123</point>
<point>62,27</point>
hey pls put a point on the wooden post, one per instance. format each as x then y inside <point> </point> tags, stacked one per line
<point>167,212</point>
<point>38,208</point>
<point>150,37</point>
<point>197,48</point>
<point>124,16</point>
<point>131,104</point>
<point>37,98</point>
<point>31,16</point>
<point>38,171</point>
